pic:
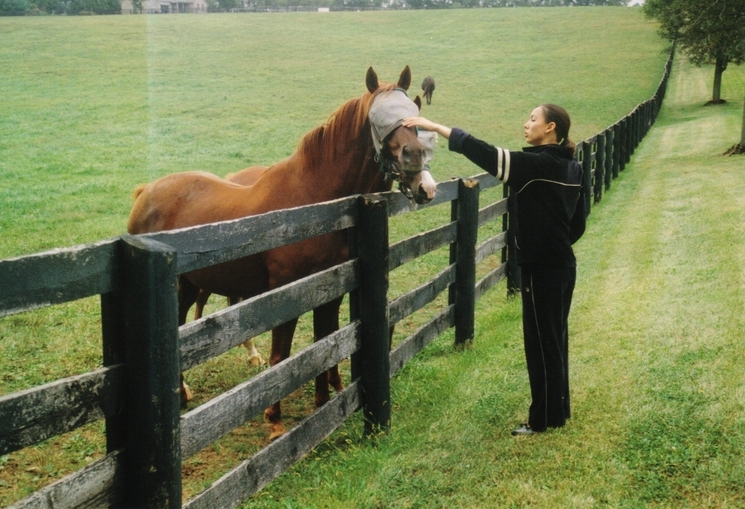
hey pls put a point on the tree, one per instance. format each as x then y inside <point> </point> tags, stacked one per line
<point>708,31</point>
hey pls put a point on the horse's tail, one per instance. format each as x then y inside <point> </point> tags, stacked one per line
<point>138,191</point>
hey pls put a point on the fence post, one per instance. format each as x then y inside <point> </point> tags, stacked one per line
<point>587,169</point>
<point>374,361</point>
<point>609,141</point>
<point>152,441</point>
<point>632,132</point>
<point>466,212</point>
<point>624,156</point>
<point>599,167</point>
<point>509,256</point>
<point>617,150</point>
<point>113,328</point>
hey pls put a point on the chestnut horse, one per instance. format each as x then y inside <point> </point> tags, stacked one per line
<point>245,177</point>
<point>334,160</point>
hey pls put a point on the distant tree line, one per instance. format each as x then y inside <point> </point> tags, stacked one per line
<point>341,5</point>
<point>75,7</point>
<point>72,7</point>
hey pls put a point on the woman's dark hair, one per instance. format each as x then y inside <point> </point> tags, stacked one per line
<point>560,117</point>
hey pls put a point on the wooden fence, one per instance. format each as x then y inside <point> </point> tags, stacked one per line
<point>144,351</point>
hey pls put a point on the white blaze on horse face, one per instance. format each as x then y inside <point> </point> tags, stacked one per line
<point>428,140</point>
<point>424,187</point>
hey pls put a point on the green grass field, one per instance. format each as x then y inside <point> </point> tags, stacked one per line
<point>94,106</point>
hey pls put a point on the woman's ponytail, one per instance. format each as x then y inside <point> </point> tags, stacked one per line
<point>560,117</point>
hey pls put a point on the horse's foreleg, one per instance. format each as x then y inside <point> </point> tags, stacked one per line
<point>281,345</point>
<point>325,322</point>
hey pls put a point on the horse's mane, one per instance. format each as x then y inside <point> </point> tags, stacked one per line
<point>343,128</point>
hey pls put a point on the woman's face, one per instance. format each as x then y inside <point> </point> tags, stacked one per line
<point>537,131</point>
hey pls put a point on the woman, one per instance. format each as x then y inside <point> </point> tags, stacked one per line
<point>547,184</point>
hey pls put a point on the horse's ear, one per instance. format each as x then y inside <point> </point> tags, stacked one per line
<point>404,81</point>
<point>418,103</point>
<point>371,80</point>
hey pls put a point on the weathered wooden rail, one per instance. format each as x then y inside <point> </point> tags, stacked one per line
<point>144,350</point>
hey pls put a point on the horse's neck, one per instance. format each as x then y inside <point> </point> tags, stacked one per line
<point>350,171</point>
<point>339,159</point>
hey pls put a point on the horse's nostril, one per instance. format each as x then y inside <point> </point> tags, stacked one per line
<point>422,196</point>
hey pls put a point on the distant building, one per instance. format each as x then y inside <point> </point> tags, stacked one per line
<point>165,6</point>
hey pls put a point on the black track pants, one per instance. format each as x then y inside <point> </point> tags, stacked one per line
<point>547,296</point>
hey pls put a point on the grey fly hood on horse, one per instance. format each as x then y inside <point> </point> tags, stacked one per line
<point>388,111</point>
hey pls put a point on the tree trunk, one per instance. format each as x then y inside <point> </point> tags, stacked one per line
<point>721,65</point>
<point>740,147</point>
<point>742,135</point>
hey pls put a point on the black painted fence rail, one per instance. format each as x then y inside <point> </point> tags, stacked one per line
<point>144,350</point>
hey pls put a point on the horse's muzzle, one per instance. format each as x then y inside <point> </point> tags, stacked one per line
<point>424,187</point>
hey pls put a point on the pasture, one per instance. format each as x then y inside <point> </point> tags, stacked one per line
<point>98,105</point>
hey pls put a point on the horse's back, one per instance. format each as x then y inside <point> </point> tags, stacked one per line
<point>247,176</point>
<point>159,205</point>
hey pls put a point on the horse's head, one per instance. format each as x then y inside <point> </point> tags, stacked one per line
<point>402,153</point>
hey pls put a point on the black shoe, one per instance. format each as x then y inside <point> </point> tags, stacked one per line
<point>523,431</point>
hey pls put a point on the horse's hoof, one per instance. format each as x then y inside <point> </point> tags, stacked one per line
<point>188,396</point>
<point>256,360</point>
<point>277,431</point>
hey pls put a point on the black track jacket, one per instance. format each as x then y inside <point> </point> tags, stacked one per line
<point>547,183</point>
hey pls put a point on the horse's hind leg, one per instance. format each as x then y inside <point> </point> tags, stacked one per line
<point>325,322</point>
<point>281,345</point>
<point>187,296</point>
<point>254,357</point>
<point>202,298</point>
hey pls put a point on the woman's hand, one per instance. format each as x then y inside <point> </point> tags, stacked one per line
<point>427,125</point>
